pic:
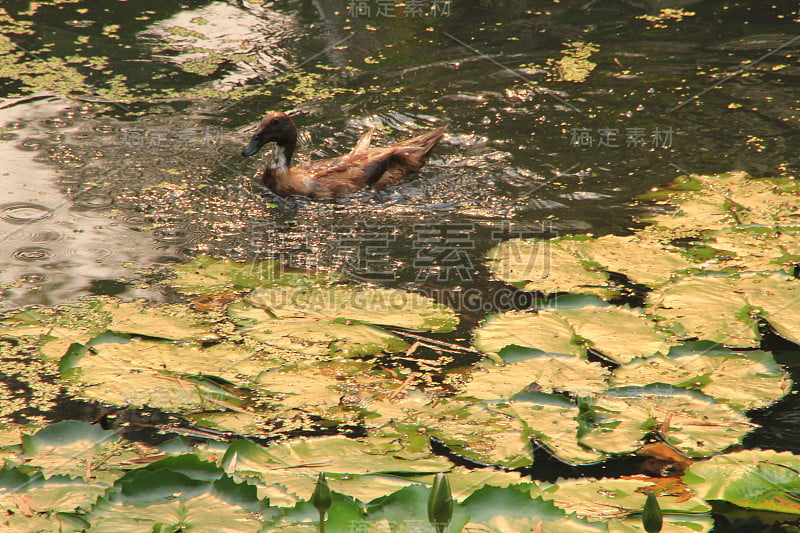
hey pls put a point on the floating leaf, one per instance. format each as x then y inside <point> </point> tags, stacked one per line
<point>548,266</point>
<point>743,381</point>
<point>544,373</point>
<point>619,502</point>
<point>206,275</point>
<point>336,319</point>
<point>723,308</point>
<point>618,333</point>
<point>753,479</point>
<point>553,420</point>
<point>500,510</point>
<point>164,375</point>
<point>171,322</point>
<point>728,200</point>
<point>689,421</point>
<point>72,448</point>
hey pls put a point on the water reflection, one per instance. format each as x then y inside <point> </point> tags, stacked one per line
<point>50,250</point>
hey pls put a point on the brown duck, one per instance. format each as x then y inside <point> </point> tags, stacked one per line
<point>326,178</point>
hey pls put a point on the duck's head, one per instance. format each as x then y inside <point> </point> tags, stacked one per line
<point>276,128</point>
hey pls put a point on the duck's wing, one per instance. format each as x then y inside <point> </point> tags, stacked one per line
<point>363,143</point>
<point>365,166</point>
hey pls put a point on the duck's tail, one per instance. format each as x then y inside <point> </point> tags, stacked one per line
<point>420,147</point>
<point>405,158</point>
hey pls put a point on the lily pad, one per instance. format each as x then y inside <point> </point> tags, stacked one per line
<point>171,322</point>
<point>322,321</point>
<point>689,421</point>
<point>724,308</point>
<point>71,448</point>
<point>728,200</point>
<point>554,421</point>
<point>169,376</point>
<point>618,333</point>
<point>582,264</point>
<point>221,505</point>
<point>619,503</point>
<point>334,454</point>
<point>548,266</point>
<point>755,247</point>
<point>474,430</point>
<point>743,381</point>
<point>753,479</point>
<point>643,257</point>
<point>544,373</point>
<point>501,510</point>
<point>206,275</point>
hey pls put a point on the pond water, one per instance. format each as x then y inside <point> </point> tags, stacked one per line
<point>121,126</point>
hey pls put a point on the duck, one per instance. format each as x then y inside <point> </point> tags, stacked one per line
<point>364,166</point>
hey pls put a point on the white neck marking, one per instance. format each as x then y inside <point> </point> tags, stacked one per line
<point>278,164</point>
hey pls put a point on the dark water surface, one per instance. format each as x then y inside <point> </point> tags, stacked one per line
<point>121,126</point>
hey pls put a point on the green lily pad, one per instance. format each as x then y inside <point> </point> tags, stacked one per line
<point>643,257</point>
<point>743,381</point>
<point>164,375</point>
<point>206,275</point>
<point>321,321</point>
<point>618,333</point>
<point>548,266</point>
<point>728,200</point>
<point>501,510</point>
<point>554,421</point>
<point>221,505</point>
<point>755,247</point>
<point>753,479</point>
<point>334,454</point>
<point>544,373</point>
<point>581,264</point>
<point>619,503</point>
<point>471,429</point>
<point>56,495</point>
<point>72,448</point>
<point>689,421</point>
<point>724,308</point>
<point>171,322</point>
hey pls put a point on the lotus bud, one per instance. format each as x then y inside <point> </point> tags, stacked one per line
<point>321,499</point>
<point>440,503</point>
<point>651,515</point>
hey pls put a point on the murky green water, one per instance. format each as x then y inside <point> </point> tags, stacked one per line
<point>122,125</point>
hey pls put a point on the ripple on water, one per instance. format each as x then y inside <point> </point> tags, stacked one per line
<point>168,234</point>
<point>33,278</point>
<point>31,254</point>
<point>92,202</point>
<point>31,145</point>
<point>97,254</point>
<point>24,212</point>
<point>44,236</point>
<point>104,128</point>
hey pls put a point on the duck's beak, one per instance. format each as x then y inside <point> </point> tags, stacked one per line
<point>254,146</point>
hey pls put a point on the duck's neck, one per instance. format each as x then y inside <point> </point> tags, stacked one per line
<point>278,167</point>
